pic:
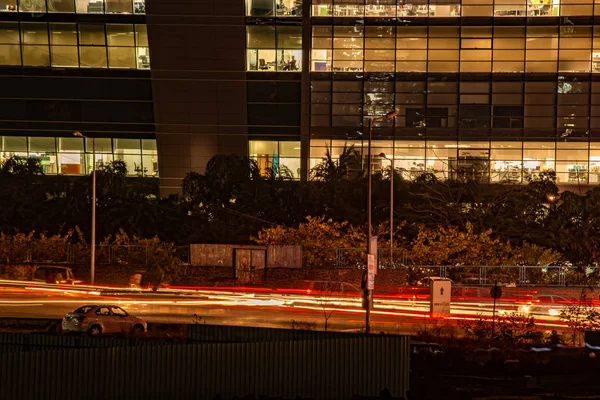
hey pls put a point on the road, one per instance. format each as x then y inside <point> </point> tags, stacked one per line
<point>400,313</point>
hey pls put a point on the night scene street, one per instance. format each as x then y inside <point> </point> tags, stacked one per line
<point>300,199</point>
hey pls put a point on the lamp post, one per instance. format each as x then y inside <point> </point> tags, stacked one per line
<point>393,170</point>
<point>367,295</point>
<point>93,243</point>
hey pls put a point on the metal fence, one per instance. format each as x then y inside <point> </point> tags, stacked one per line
<point>319,369</point>
<point>246,334</point>
<point>105,254</point>
<point>19,342</point>
<point>519,275</point>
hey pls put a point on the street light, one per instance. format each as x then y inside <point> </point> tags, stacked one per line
<point>367,293</point>
<point>93,244</point>
<point>382,155</point>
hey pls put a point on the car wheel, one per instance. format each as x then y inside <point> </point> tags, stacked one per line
<point>95,330</point>
<point>137,330</point>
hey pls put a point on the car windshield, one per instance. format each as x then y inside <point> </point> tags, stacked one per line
<point>83,310</point>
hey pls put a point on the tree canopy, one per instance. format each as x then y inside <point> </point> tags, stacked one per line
<point>234,200</point>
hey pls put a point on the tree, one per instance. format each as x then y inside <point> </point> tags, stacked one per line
<point>511,330</point>
<point>346,166</point>
<point>159,258</point>
<point>22,166</point>
<point>581,315</point>
<point>319,238</point>
<point>330,298</point>
<point>453,246</point>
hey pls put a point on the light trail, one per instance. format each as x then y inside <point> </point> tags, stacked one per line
<point>264,306</point>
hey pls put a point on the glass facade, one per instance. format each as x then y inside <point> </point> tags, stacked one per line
<point>478,94</point>
<point>456,49</point>
<point>453,8</point>
<point>74,45</point>
<point>75,6</point>
<point>74,155</point>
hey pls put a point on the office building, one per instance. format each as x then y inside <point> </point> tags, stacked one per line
<point>76,65</point>
<point>490,90</point>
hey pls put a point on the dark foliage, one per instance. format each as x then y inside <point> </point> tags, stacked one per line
<point>234,199</point>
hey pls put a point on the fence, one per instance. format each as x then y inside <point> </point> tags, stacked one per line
<point>246,334</point>
<point>319,369</point>
<point>105,254</point>
<point>19,342</point>
<point>353,258</point>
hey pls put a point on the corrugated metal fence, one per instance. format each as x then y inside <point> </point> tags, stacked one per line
<point>247,334</point>
<point>319,369</point>
<point>13,343</point>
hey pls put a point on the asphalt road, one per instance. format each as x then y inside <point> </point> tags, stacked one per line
<point>392,314</point>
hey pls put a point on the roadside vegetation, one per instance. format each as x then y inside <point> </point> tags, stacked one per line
<point>437,222</point>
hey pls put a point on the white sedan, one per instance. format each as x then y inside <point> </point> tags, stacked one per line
<point>100,319</point>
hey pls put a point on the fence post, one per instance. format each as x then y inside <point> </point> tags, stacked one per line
<point>522,275</point>
<point>562,278</point>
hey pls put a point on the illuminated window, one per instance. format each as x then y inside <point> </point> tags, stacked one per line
<point>32,6</point>
<point>322,48</point>
<point>8,5</point>
<point>142,49</point>
<point>89,6</point>
<point>322,8</point>
<point>62,6</point>
<point>271,48</point>
<point>119,6</point>
<point>477,8</point>
<point>34,39</point>
<point>10,51</point>
<point>443,49</point>
<point>280,158</point>
<point>348,8</point>
<point>92,46</point>
<point>44,150</point>
<point>380,8</point>
<point>63,45</point>
<point>380,49</point>
<point>121,51</point>
<point>411,49</point>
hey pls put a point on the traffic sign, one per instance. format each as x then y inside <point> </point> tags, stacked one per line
<point>496,292</point>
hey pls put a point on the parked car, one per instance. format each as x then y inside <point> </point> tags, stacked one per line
<point>54,274</point>
<point>426,348</point>
<point>146,280</point>
<point>103,319</point>
<point>426,282</point>
<point>545,305</point>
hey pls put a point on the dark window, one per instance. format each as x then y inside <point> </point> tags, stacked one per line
<point>273,114</point>
<point>508,116</point>
<point>437,117</point>
<point>474,116</point>
<point>266,92</point>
